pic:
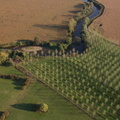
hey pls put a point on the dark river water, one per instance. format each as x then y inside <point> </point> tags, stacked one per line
<point>77,33</point>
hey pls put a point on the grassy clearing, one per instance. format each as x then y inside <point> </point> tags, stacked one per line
<point>9,89</point>
<point>59,108</point>
<point>9,93</point>
<point>10,70</point>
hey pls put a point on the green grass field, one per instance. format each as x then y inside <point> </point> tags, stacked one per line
<point>9,93</point>
<point>9,89</point>
<point>21,103</point>
<point>90,80</point>
<point>10,71</point>
<point>59,108</point>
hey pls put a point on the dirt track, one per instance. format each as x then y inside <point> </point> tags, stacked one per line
<point>25,19</point>
<point>110,20</point>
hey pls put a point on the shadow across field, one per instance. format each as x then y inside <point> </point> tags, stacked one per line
<point>58,41</point>
<point>79,6</point>
<point>52,27</point>
<point>18,84</point>
<point>75,11</point>
<point>24,40</point>
<point>1,112</point>
<point>25,106</point>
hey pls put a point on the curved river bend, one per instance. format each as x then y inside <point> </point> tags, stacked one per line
<point>77,33</point>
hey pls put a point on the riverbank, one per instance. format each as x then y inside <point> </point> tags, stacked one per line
<point>81,33</point>
<point>110,21</point>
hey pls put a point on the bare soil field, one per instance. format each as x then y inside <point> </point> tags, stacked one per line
<point>25,19</point>
<point>110,20</point>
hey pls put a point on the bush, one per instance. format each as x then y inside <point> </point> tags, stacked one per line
<point>8,62</point>
<point>85,31</point>
<point>86,20</point>
<point>13,77</point>
<point>36,41</point>
<point>72,25</point>
<point>18,53</point>
<point>69,40</point>
<point>3,57</point>
<point>42,108</point>
<point>51,44</point>
<point>63,47</point>
<point>4,115</point>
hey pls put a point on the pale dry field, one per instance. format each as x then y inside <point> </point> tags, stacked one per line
<point>25,19</point>
<point>110,20</point>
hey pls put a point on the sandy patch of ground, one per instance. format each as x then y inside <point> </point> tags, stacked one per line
<point>35,50</point>
<point>25,19</point>
<point>31,48</point>
<point>110,20</point>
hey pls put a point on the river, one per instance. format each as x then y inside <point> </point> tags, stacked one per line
<point>77,33</point>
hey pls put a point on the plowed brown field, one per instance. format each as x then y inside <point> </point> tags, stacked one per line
<point>110,20</point>
<point>25,19</point>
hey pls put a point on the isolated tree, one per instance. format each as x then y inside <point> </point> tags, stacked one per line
<point>69,40</point>
<point>94,113</point>
<point>98,108</point>
<point>42,108</point>
<point>3,57</point>
<point>88,109</point>
<point>86,20</point>
<point>36,41</point>
<point>72,25</point>
<point>82,105</point>
<point>104,112</point>
<point>108,108</point>
<point>42,52</point>
<point>77,102</point>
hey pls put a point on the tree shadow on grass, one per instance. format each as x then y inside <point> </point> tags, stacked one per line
<point>18,84</point>
<point>54,27</point>
<point>51,27</point>
<point>25,106</point>
<point>24,40</point>
<point>75,11</point>
<point>79,6</point>
<point>58,41</point>
<point>1,112</point>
